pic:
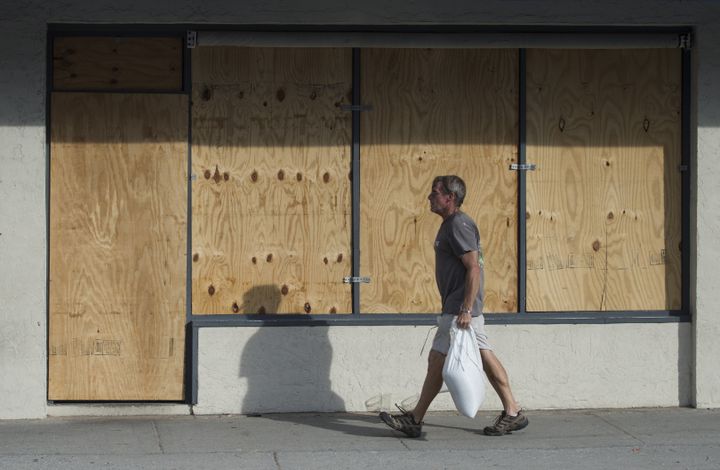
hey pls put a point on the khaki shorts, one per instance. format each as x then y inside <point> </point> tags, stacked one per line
<point>441,343</point>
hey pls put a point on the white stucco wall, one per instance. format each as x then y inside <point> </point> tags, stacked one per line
<point>707,235</point>
<point>22,221</point>
<point>351,368</point>
<point>23,242</point>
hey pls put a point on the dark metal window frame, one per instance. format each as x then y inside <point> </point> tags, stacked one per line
<point>196,321</point>
<point>522,316</point>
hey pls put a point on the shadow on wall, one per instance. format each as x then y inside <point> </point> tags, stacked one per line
<point>286,369</point>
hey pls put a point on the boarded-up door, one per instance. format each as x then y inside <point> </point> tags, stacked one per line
<point>436,112</point>
<point>118,204</point>
<point>271,191</point>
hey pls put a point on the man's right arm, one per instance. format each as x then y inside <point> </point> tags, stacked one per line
<point>472,286</point>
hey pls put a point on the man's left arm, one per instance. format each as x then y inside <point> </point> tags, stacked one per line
<point>472,286</point>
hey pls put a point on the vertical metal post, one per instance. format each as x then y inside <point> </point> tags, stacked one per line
<point>685,244</point>
<point>355,156</point>
<point>191,342</point>
<point>187,88</point>
<point>522,157</point>
<point>191,363</point>
<point>48,141</point>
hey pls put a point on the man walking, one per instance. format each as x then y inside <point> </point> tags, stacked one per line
<point>460,279</point>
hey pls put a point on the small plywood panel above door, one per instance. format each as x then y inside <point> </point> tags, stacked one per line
<point>271,190</point>
<point>436,112</point>
<point>117,63</point>
<point>118,231</point>
<point>603,206</point>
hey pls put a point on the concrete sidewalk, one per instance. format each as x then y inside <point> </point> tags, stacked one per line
<point>677,438</point>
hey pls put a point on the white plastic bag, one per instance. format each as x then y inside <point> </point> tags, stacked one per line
<point>463,371</point>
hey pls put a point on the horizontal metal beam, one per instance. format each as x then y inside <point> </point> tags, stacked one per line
<point>540,40</point>
<point>549,318</point>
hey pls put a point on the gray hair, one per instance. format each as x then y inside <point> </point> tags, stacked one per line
<point>452,185</point>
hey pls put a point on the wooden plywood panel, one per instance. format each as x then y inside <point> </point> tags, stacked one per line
<point>118,204</point>
<point>436,112</point>
<point>271,202</point>
<point>122,63</point>
<point>603,207</point>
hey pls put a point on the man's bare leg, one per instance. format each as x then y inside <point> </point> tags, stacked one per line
<point>431,386</point>
<point>498,378</point>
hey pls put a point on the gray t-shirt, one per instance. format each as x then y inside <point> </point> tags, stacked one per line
<point>458,235</point>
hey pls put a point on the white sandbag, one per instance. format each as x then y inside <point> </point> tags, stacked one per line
<point>463,371</point>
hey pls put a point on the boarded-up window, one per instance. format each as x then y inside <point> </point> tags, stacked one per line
<point>270,139</point>
<point>271,199</point>
<point>436,112</point>
<point>117,63</point>
<point>603,206</point>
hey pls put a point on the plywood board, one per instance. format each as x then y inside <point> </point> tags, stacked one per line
<point>271,196</point>
<point>118,204</point>
<point>603,206</point>
<point>117,63</point>
<point>436,112</point>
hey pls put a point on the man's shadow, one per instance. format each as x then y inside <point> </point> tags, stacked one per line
<point>287,372</point>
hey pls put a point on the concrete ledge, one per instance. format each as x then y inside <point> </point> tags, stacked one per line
<point>367,369</point>
<point>117,409</point>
